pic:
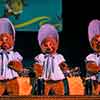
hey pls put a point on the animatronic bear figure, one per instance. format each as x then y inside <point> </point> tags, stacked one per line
<point>49,64</point>
<point>10,61</point>
<point>93,59</point>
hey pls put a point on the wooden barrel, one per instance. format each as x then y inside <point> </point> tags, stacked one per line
<point>25,86</point>
<point>75,85</point>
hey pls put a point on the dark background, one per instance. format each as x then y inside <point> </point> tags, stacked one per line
<point>74,43</point>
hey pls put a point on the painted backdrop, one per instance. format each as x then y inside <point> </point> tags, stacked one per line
<point>29,15</point>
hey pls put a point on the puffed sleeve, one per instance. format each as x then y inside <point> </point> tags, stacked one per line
<point>39,59</point>
<point>17,56</point>
<point>60,58</point>
<point>91,57</point>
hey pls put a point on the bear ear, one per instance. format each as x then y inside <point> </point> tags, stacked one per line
<point>45,31</point>
<point>6,26</point>
<point>93,28</point>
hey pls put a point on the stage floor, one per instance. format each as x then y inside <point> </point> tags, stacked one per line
<point>49,98</point>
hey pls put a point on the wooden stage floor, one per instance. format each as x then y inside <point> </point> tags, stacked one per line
<point>50,98</point>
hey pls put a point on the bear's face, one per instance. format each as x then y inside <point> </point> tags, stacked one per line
<point>6,41</point>
<point>49,45</point>
<point>95,43</point>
